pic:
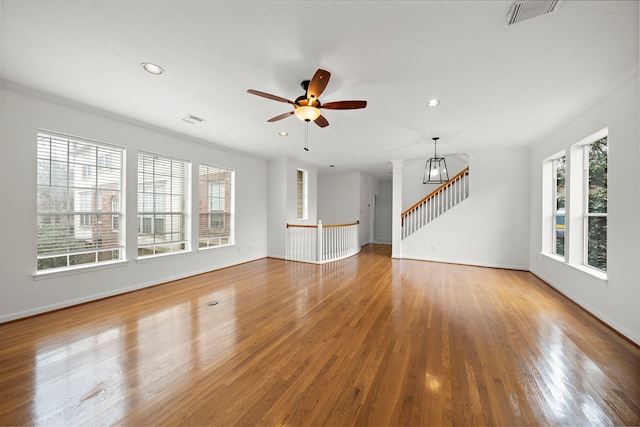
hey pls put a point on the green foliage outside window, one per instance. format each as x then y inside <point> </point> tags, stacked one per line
<point>57,237</point>
<point>560,196</point>
<point>597,204</point>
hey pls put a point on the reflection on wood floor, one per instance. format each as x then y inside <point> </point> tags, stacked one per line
<point>364,341</point>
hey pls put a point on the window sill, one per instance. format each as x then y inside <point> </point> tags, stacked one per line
<point>206,248</point>
<point>598,275</point>
<point>158,257</point>
<point>49,274</point>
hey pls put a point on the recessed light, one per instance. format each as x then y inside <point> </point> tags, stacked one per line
<point>433,102</point>
<point>283,133</point>
<point>152,68</point>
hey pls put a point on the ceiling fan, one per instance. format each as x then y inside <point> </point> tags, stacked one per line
<point>307,107</point>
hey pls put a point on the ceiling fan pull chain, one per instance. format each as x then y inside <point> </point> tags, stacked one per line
<point>306,136</point>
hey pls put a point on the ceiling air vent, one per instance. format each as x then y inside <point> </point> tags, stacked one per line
<point>525,9</point>
<point>190,118</point>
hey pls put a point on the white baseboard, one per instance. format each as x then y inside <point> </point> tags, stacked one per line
<point>630,335</point>
<point>94,297</point>
<point>475,264</point>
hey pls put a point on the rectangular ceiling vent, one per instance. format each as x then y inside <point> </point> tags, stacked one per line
<point>190,118</point>
<point>526,9</point>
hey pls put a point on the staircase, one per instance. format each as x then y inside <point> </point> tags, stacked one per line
<point>436,203</point>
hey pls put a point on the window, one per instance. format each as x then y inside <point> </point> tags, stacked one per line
<point>162,205</point>
<point>215,188</point>
<point>115,207</point>
<point>302,210</point>
<point>559,196</point>
<point>87,171</point>
<point>84,207</point>
<point>72,190</point>
<point>595,200</point>
<point>574,205</point>
<point>217,199</point>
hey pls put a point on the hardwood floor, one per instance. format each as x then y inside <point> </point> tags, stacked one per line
<point>364,341</point>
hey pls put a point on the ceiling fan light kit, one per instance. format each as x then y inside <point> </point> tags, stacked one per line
<point>307,113</point>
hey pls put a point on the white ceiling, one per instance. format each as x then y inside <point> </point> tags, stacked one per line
<point>501,86</point>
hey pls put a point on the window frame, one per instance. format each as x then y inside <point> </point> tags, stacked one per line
<point>576,207</point>
<point>157,198</point>
<point>302,194</point>
<point>209,236</point>
<point>86,242</point>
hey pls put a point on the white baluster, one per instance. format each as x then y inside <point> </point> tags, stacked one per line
<point>319,253</point>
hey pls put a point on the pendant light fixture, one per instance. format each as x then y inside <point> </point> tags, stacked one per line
<point>435,170</point>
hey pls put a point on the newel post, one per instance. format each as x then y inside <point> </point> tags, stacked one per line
<point>319,241</point>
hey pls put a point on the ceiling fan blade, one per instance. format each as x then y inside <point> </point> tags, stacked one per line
<point>280,117</point>
<point>321,121</point>
<point>344,105</point>
<point>318,83</point>
<point>269,96</point>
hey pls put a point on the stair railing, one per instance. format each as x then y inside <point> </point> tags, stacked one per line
<point>322,243</point>
<point>436,203</point>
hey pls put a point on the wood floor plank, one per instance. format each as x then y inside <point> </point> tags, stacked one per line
<point>369,340</point>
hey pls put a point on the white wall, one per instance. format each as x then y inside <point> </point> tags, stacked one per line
<point>282,201</point>
<point>277,207</point>
<point>348,197</point>
<point>490,227</point>
<point>339,197</point>
<point>368,189</point>
<point>616,301</point>
<point>383,212</point>
<point>23,112</point>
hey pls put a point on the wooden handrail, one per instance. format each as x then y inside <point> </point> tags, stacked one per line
<point>340,225</point>
<point>323,226</point>
<point>464,171</point>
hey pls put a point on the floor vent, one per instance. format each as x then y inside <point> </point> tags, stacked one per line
<point>526,9</point>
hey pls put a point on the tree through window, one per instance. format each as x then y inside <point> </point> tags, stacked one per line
<point>595,218</point>
<point>559,174</point>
